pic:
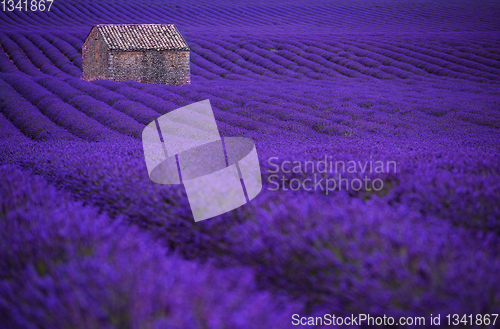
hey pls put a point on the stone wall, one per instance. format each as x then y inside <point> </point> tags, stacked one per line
<point>95,57</point>
<point>166,67</point>
<point>125,65</point>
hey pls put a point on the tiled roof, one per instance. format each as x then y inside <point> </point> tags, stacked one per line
<point>130,37</point>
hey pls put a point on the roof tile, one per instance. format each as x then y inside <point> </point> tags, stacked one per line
<point>130,37</point>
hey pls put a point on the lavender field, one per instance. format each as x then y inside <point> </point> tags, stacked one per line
<point>87,240</point>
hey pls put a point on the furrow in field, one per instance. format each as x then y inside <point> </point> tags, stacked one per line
<point>24,115</point>
<point>36,56</point>
<point>65,48</point>
<point>55,55</point>
<point>57,111</point>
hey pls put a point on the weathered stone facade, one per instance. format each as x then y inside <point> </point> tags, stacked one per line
<point>144,53</point>
<point>95,55</point>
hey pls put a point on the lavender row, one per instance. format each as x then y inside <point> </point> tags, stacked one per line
<point>224,105</point>
<point>151,101</point>
<point>26,117</point>
<point>54,55</point>
<point>112,273</point>
<point>429,64</point>
<point>35,55</point>
<point>291,58</point>
<point>319,260</point>
<point>8,130</point>
<point>6,65</point>
<point>449,63</point>
<point>366,58</point>
<point>479,63</point>
<point>198,70</point>
<point>248,56</point>
<point>135,110</point>
<point>285,62</point>
<point>201,60</point>
<point>97,110</point>
<point>57,111</point>
<point>72,40</point>
<point>382,55</point>
<point>235,62</point>
<point>17,56</point>
<point>351,62</point>
<point>281,18</point>
<point>220,107</point>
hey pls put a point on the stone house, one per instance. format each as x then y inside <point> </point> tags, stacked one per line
<point>149,53</point>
